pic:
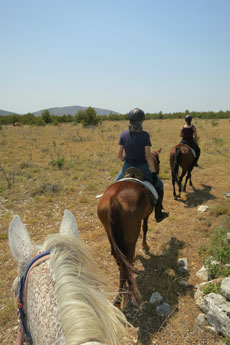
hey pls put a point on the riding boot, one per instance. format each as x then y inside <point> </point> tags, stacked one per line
<point>159,215</point>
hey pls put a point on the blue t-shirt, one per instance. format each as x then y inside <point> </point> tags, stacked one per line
<point>134,144</point>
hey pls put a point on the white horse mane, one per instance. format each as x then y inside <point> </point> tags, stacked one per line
<point>86,315</point>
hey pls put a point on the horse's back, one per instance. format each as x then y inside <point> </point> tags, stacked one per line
<point>130,196</point>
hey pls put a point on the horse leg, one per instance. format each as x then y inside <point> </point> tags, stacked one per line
<point>186,180</point>
<point>188,177</point>
<point>145,229</point>
<point>180,181</point>
<point>174,189</point>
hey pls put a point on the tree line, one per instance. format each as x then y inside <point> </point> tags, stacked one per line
<point>89,117</point>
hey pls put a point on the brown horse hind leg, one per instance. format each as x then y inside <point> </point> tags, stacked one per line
<point>145,229</point>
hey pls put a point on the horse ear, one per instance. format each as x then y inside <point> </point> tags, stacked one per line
<point>159,151</point>
<point>19,239</point>
<point>69,224</point>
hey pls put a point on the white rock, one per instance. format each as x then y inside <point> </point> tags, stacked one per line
<point>225,288</point>
<point>218,314</point>
<point>202,208</point>
<point>183,265</point>
<point>202,274</point>
<point>201,319</point>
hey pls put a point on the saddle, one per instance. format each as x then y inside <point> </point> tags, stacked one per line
<point>137,175</point>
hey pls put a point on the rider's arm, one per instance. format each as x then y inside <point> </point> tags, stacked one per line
<point>195,133</point>
<point>149,158</point>
<point>120,152</point>
<point>181,131</point>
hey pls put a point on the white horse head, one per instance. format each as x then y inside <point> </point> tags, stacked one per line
<point>65,301</point>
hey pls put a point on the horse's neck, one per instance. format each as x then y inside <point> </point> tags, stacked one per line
<point>41,308</point>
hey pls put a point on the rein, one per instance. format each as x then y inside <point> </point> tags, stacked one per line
<point>23,330</point>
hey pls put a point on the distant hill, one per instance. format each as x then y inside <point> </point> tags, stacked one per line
<point>5,113</point>
<point>69,110</point>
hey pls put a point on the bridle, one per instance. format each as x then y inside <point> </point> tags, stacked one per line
<point>22,329</point>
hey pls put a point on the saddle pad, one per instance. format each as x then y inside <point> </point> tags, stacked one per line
<point>148,185</point>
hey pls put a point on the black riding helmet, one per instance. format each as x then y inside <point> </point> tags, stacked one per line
<point>188,118</point>
<point>136,115</point>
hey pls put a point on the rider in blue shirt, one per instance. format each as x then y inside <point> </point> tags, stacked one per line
<point>136,143</point>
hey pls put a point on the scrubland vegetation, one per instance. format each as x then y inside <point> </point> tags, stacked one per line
<point>89,117</point>
<point>46,169</point>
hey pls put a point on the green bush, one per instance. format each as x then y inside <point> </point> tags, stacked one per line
<point>46,117</point>
<point>87,117</point>
<point>59,162</point>
<point>40,122</point>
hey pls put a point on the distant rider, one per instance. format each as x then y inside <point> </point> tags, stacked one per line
<point>189,136</point>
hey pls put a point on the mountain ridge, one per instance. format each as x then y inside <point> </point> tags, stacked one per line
<point>59,111</point>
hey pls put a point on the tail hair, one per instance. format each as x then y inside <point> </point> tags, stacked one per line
<point>177,157</point>
<point>119,249</point>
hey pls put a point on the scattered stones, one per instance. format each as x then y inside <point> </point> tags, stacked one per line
<point>164,310</point>
<point>156,299</point>
<point>202,208</point>
<point>183,265</point>
<point>202,274</point>
<point>200,300</point>
<point>225,288</point>
<point>201,320</point>
<point>227,195</point>
<point>218,314</point>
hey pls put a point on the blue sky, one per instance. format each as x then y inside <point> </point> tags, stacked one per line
<point>159,55</point>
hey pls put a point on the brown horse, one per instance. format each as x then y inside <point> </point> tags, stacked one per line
<point>122,209</point>
<point>181,156</point>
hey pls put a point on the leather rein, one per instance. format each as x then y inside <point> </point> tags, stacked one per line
<point>22,327</point>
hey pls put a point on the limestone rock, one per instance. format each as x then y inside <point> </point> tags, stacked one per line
<point>225,288</point>
<point>202,208</point>
<point>202,274</point>
<point>183,265</point>
<point>218,314</point>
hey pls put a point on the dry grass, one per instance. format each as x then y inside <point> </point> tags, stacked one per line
<point>59,167</point>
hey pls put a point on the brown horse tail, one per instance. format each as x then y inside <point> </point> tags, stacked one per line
<point>119,248</point>
<point>177,158</point>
